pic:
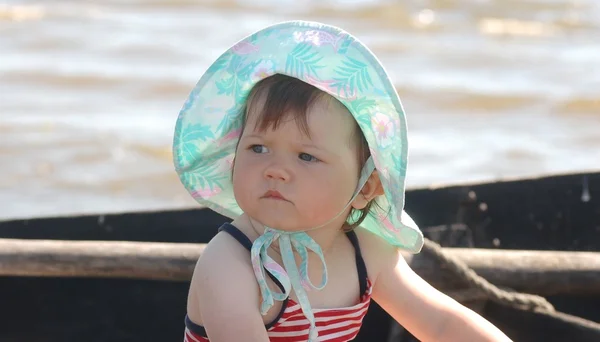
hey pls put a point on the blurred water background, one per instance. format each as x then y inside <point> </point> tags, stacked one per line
<point>90,90</point>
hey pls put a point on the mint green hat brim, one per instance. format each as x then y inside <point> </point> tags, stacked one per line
<point>209,124</point>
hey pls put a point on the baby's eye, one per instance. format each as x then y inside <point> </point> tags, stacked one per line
<point>307,157</point>
<point>258,149</point>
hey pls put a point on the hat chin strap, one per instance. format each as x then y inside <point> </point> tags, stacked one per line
<point>292,276</point>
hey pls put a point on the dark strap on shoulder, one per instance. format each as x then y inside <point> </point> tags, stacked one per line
<point>244,241</point>
<point>237,234</point>
<point>360,263</point>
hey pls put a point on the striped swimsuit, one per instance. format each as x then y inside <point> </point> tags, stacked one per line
<point>333,325</point>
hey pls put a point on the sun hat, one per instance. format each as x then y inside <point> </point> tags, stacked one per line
<point>326,57</point>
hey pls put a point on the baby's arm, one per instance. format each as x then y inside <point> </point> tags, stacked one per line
<point>427,313</point>
<point>225,295</point>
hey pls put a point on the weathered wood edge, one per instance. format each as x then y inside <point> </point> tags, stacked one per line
<point>539,272</point>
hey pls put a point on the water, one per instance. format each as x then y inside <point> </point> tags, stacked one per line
<point>89,91</point>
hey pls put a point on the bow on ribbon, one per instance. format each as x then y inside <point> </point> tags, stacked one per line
<point>294,278</point>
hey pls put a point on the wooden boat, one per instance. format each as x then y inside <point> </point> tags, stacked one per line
<point>75,287</point>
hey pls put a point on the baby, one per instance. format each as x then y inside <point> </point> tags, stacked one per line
<point>297,134</point>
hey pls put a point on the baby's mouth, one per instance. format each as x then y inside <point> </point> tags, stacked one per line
<point>274,194</point>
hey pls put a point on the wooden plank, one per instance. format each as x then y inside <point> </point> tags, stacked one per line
<point>539,272</point>
<point>113,259</point>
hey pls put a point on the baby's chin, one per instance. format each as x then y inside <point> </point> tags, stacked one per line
<point>286,216</point>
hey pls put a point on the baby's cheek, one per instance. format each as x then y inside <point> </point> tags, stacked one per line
<point>328,198</point>
<point>241,192</point>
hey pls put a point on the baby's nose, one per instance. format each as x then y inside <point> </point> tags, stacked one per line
<point>277,172</point>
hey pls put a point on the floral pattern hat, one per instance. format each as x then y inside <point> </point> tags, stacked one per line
<point>209,124</point>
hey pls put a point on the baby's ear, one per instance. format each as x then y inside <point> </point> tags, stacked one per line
<point>370,190</point>
<point>373,187</point>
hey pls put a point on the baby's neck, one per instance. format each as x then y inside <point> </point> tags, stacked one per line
<point>325,236</point>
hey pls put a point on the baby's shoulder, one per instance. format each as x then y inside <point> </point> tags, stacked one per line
<point>223,279</point>
<point>223,251</point>
<point>376,252</point>
<point>223,259</point>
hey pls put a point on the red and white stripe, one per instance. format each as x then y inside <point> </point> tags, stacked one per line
<point>333,325</point>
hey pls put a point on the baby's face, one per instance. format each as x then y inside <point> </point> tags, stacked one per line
<point>288,181</point>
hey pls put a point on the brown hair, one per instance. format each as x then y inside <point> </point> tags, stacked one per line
<point>289,98</point>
